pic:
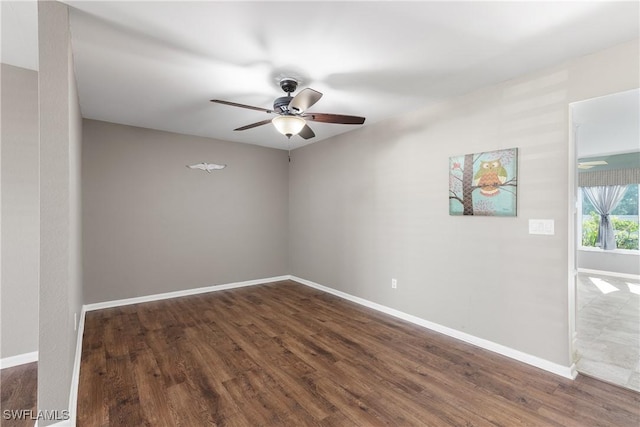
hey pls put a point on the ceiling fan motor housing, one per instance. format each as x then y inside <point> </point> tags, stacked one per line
<point>281,105</point>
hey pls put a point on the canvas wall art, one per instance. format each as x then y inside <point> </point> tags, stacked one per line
<point>484,183</point>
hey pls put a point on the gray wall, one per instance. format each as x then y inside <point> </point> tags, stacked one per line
<point>151,225</point>
<point>612,262</point>
<point>60,259</point>
<point>20,211</point>
<point>371,205</point>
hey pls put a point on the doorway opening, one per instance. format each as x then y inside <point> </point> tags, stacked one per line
<point>606,258</point>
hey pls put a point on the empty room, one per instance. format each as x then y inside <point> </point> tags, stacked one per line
<point>242,213</point>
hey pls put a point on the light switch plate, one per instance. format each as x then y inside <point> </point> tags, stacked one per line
<point>542,226</point>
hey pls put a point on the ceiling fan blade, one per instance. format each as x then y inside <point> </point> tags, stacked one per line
<point>334,118</point>
<point>235,104</point>
<point>306,132</point>
<point>254,125</point>
<point>303,100</point>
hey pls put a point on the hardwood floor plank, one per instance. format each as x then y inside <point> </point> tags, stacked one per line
<point>449,392</point>
<point>310,401</point>
<point>412,402</point>
<point>600,393</point>
<point>152,392</point>
<point>285,354</point>
<point>122,393</point>
<point>245,388</point>
<point>183,410</point>
<point>93,359</point>
<point>18,392</point>
<point>351,404</point>
<point>589,408</point>
<point>167,358</point>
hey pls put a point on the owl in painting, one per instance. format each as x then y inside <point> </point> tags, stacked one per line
<point>490,177</point>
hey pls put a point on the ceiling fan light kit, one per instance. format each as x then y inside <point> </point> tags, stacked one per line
<point>289,125</point>
<point>291,113</point>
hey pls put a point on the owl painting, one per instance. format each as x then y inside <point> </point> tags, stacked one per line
<point>484,183</point>
<point>489,177</point>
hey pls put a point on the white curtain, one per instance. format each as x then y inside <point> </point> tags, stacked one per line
<point>605,199</point>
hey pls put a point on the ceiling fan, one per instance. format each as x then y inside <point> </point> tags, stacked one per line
<point>291,112</point>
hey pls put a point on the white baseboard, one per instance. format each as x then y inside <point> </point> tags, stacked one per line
<point>20,359</point>
<point>574,371</point>
<point>609,273</point>
<point>177,294</point>
<point>75,375</point>
<point>564,371</point>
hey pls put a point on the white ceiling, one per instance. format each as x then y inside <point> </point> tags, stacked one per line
<point>157,64</point>
<point>608,124</point>
<point>19,33</point>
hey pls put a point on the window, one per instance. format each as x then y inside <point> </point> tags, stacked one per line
<point>624,218</point>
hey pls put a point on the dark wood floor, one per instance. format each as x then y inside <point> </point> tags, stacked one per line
<point>18,391</point>
<point>287,355</point>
